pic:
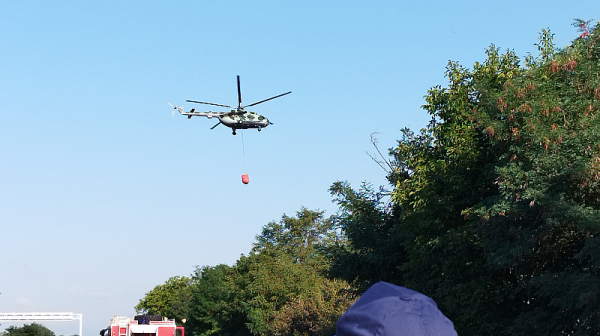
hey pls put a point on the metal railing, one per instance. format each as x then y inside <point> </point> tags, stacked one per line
<point>43,317</point>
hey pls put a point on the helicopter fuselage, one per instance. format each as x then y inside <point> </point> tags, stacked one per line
<point>235,120</point>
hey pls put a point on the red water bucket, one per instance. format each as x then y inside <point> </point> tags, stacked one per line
<point>245,178</point>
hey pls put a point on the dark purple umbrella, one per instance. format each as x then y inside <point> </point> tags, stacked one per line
<point>390,310</point>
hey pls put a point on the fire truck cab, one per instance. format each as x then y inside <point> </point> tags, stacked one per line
<point>142,325</point>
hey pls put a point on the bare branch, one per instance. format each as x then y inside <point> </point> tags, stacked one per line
<point>383,162</point>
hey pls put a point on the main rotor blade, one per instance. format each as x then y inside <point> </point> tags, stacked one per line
<point>239,93</point>
<point>262,101</point>
<point>199,102</point>
<point>219,123</point>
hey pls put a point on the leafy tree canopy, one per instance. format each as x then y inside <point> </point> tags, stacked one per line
<point>33,329</point>
<point>210,293</point>
<point>495,204</point>
<point>167,299</point>
<point>280,288</point>
<point>494,212</point>
<point>371,250</point>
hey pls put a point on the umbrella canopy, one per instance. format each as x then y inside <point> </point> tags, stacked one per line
<point>389,310</point>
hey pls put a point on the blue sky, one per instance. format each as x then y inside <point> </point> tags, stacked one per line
<point>105,195</point>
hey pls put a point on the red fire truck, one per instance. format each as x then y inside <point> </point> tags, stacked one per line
<point>142,325</point>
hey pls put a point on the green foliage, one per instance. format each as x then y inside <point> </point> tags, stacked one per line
<point>168,299</point>
<point>280,288</point>
<point>314,310</point>
<point>305,237</point>
<point>494,212</point>
<point>209,295</point>
<point>368,222</point>
<point>273,292</point>
<point>33,329</point>
<point>496,204</point>
<point>284,276</point>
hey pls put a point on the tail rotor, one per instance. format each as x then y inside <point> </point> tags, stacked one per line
<point>175,108</point>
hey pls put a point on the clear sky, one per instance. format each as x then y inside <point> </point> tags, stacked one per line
<point>104,195</point>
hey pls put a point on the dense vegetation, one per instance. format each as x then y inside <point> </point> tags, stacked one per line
<point>281,287</point>
<point>33,329</point>
<point>493,211</point>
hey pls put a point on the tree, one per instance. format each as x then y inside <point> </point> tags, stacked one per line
<point>496,202</point>
<point>280,288</point>
<point>315,310</point>
<point>208,298</point>
<point>168,299</point>
<point>305,237</point>
<point>368,220</point>
<point>273,293</point>
<point>503,207</point>
<point>33,329</point>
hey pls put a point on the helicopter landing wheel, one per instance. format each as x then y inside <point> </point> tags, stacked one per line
<point>233,132</point>
<point>259,129</point>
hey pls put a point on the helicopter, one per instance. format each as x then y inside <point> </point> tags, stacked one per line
<point>237,118</point>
